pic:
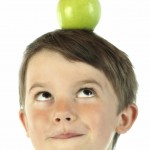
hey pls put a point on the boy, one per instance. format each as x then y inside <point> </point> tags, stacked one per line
<point>77,92</point>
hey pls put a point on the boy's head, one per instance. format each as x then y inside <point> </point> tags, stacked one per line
<point>76,89</point>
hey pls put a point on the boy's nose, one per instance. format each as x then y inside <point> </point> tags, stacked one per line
<point>60,117</point>
<point>64,113</point>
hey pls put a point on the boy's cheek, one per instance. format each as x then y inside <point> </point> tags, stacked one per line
<point>37,119</point>
<point>100,124</point>
<point>97,117</point>
<point>90,115</point>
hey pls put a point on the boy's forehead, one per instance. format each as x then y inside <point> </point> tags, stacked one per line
<point>51,68</point>
<point>46,61</point>
<point>53,60</point>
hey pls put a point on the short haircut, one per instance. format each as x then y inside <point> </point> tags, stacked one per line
<point>87,47</point>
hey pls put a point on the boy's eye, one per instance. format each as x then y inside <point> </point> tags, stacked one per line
<point>87,92</point>
<point>44,96</point>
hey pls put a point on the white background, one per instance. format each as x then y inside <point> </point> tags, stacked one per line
<point>125,23</point>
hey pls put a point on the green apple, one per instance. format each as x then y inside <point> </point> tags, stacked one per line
<point>78,14</point>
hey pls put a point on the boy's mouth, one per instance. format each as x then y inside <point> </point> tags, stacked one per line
<point>67,135</point>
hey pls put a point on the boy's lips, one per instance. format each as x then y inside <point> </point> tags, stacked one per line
<point>67,135</point>
<point>65,132</point>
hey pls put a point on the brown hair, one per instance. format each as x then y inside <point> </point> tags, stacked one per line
<point>86,46</point>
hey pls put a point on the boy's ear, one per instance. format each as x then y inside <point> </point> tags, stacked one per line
<point>23,120</point>
<point>127,118</point>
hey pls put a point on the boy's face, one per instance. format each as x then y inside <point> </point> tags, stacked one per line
<point>68,105</point>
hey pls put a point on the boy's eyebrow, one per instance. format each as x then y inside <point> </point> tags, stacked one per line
<point>91,81</point>
<point>88,81</point>
<point>38,84</point>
